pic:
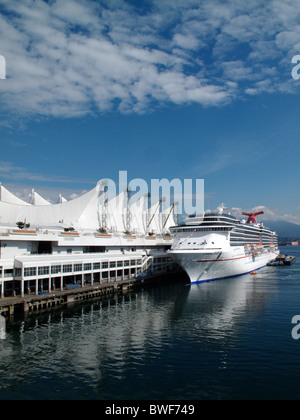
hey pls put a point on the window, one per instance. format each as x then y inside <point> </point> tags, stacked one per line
<point>120,263</point>
<point>8,273</point>
<point>67,268</point>
<point>87,267</point>
<point>126,263</point>
<point>43,271</point>
<point>96,266</point>
<point>77,267</point>
<point>88,278</point>
<point>112,264</point>
<point>29,272</point>
<point>132,262</point>
<point>18,272</point>
<point>55,269</point>
<point>105,265</point>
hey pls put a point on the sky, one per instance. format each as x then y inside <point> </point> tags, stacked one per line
<point>187,89</point>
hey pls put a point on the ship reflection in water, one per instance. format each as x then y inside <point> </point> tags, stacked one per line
<point>208,341</point>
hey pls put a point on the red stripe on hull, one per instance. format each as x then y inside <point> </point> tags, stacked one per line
<point>231,259</point>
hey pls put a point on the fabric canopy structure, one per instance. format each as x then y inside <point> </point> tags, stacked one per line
<point>87,212</point>
<point>7,197</point>
<point>37,200</point>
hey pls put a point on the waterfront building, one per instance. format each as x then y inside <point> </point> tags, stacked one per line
<point>88,240</point>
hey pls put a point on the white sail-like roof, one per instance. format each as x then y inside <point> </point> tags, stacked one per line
<point>86,213</point>
<point>80,212</point>
<point>37,200</point>
<point>88,218</point>
<point>7,197</point>
<point>116,212</point>
<point>138,216</point>
<point>61,199</point>
<point>154,222</point>
<point>168,219</point>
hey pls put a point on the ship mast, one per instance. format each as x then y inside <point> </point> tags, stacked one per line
<point>128,212</point>
<point>167,217</point>
<point>158,206</point>
<point>103,215</point>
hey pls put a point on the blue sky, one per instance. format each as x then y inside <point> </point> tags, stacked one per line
<point>160,88</point>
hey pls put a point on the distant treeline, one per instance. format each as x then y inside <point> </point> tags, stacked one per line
<point>287,241</point>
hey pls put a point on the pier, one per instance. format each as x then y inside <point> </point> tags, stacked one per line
<point>36,303</point>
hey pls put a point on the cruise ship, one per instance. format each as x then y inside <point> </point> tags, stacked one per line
<point>90,240</point>
<point>217,245</point>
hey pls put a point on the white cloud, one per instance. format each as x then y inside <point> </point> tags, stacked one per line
<point>188,42</point>
<point>269,214</point>
<point>49,193</point>
<point>72,58</point>
<point>10,171</point>
<point>237,70</point>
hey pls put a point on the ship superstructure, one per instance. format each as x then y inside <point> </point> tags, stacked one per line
<point>217,245</point>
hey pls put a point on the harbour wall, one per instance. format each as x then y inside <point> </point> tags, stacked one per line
<point>9,307</point>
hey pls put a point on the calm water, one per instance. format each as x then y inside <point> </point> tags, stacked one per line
<point>228,339</point>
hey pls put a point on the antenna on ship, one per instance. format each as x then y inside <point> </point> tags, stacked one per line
<point>221,208</point>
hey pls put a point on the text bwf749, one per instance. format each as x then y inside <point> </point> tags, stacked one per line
<point>171,409</point>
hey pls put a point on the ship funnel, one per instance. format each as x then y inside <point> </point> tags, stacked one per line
<point>252,217</point>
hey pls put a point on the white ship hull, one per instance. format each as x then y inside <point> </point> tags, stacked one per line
<point>202,266</point>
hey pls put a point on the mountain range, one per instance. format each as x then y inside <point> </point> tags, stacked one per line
<point>284,229</point>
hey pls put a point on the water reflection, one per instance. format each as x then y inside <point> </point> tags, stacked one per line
<point>162,343</point>
<point>220,307</point>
